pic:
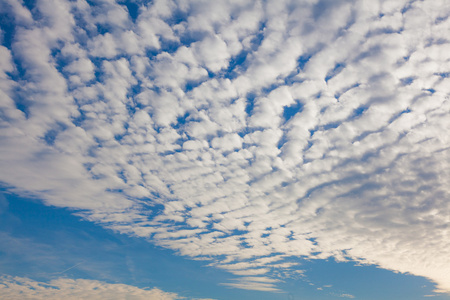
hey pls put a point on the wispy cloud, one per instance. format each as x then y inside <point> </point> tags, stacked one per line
<point>74,266</point>
<point>239,131</point>
<point>254,283</point>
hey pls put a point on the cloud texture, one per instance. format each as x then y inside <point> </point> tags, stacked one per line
<point>16,288</point>
<point>244,132</point>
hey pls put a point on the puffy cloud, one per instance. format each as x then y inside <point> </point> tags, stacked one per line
<point>83,68</point>
<point>310,129</point>
<point>20,14</point>
<point>103,46</point>
<point>212,52</point>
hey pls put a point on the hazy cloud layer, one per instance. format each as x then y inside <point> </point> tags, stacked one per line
<point>245,132</point>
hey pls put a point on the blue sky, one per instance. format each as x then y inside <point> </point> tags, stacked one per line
<point>225,149</point>
<point>65,246</point>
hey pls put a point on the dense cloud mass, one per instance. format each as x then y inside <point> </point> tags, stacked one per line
<point>243,132</point>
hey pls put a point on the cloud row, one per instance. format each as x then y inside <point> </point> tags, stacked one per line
<point>258,131</point>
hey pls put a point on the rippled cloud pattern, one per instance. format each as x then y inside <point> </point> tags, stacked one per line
<point>245,133</point>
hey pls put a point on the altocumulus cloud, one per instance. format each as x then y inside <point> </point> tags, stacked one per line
<point>16,288</point>
<point>244,132</point>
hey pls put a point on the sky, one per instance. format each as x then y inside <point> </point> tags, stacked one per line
<point>240,149</point>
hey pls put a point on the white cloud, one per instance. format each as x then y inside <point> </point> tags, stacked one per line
<point>83,68</point>
<point>103,46</point>
<point>62,288</point>
<point>254,283</point>
<point>21,14</point>
<point>104,121</point>
<point>212,52</point>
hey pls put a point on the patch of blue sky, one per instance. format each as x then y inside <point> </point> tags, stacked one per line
<point>382,31</point>
<point>190,36</point>
<point>60,240</point>
<point>192,84</point>
<point>132,8</point>
<point>303,60</point>
<point>181,121</point>
<point>80,118</point>
<point>443,74</point>
<point>325,279</point>
<point>19,71</point>
<point>336,70</point>
<point>330,126</point>
<point>177,16</point>
<point>396,116</point>
<point>407,7</point>
<point>366,282</point>
<point>66,246</point>
<point>52,133</point>
<point>250,102</point>
<point>169,45</point>
<point>98,64</point>
<point>358,112</point>
<point>21,100</point>
<point>60,61</point>
<point>407,80</point>
<point>282,141</point>
<point>258,38</point>
<point>7,29</point>
<point>30,4</point>
<point>292,110</point>
<point>237,65</point>
<point>269,88</point>
<point>100,29</point>
<point>133,105</point>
